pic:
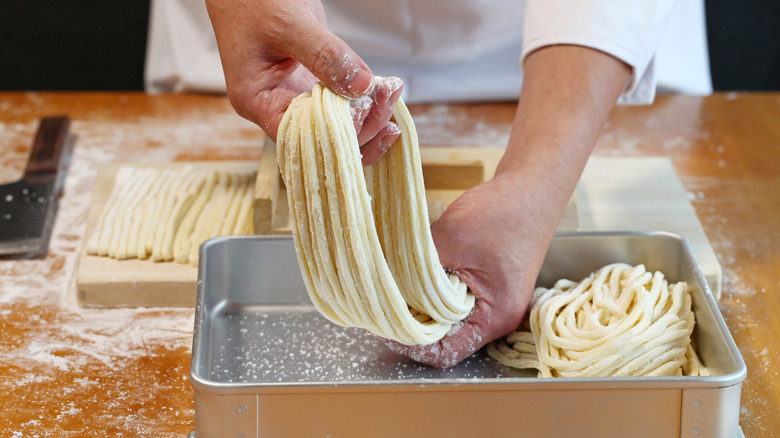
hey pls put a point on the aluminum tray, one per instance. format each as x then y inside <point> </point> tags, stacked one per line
<point>265,363</point>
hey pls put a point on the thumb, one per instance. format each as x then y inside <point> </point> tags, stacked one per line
<point>331,60</point>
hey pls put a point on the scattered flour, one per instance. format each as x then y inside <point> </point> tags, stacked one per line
<point>60,361</point>
<point>455,126</point>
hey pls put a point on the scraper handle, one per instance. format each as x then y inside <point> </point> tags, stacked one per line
<point>48,145</point>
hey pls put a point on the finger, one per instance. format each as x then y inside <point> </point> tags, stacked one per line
<point>490,319</point>
<point>267,107</point>
<point>462,341</point>
<point>377,146</point>
<point>449,239</point>
<point>330,59</point>
<point>386,93</point>
<point>359,109</point>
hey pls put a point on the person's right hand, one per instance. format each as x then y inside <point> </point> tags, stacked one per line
<point>494,238</point>
<point>273,50</point>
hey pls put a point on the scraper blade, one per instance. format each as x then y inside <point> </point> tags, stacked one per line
<point>28,206</point>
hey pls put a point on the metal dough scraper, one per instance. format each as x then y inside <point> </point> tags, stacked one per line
<point>28,206</point>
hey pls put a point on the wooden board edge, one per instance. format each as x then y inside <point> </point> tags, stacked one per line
<point>128,295</point>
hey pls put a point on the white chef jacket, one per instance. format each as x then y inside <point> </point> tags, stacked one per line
<point>462,50</point>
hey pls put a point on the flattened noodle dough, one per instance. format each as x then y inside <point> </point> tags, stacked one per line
<point>363,240</point>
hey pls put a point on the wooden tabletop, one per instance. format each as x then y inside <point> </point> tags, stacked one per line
<point>67,371</point>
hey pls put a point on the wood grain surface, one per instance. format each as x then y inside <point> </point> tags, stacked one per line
<point>67,371</point>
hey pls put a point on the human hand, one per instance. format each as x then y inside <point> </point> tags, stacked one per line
<point>274,50</point>
<point>494,237</point>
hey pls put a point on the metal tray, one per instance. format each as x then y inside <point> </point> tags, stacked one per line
<point>265,363</point>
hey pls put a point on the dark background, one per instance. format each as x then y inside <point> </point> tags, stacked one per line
<point>100,45</point>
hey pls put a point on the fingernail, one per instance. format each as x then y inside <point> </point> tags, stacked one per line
<point>393,84</point>
<point>391,135</point>
<point>393,128</point>
<point>394,88</point>
<point>359,106</point>
<point>360,82</point>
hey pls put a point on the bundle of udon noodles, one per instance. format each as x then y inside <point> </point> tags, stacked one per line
<point>363,239</point>
<point>620,321</point>
<point>165,214</point>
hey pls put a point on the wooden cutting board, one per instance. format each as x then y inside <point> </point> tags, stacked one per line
<point>643,194</point>
<point>614,194</point>
<point>106,282</point>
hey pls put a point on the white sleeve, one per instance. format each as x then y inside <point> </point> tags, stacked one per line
<point>181,49</point>
<point>630,30</point>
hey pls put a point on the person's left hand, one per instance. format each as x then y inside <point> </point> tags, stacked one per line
<point>274,50</point>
